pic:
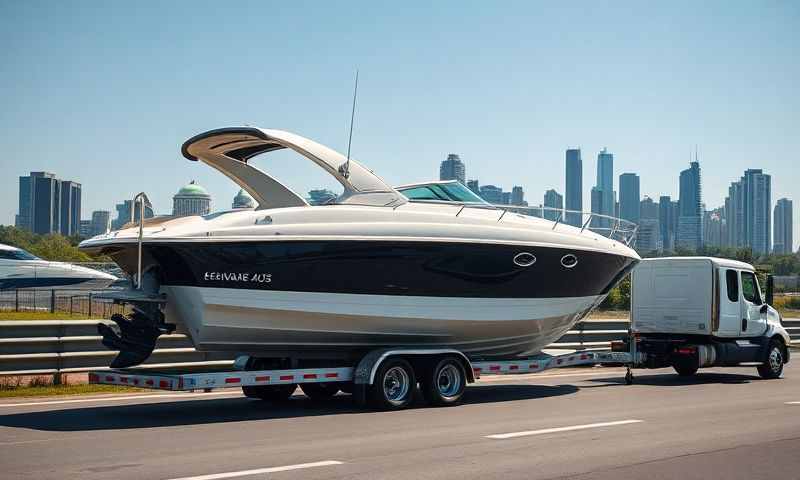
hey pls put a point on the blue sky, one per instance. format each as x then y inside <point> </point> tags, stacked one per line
<point>104,93</point>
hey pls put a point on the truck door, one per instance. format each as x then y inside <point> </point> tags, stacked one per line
<point>753,322</point>
<point>730,315</point>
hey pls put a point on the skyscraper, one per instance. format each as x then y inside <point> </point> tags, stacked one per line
<point>666,222</point>
<point>734,215</point>
<point>49,205</point>
<point>553,199</point>
<point>605,181</point>
<point>603,198</point>
<point>629,197</point>
<point>574,186</point>
<point>492,194</point>
<point>690,215</point>
<point>783,242</point>
<point>124,213</point>
<point>714,227</point>
<point>758,210</point>
<point>100,223</point>
<point>453,169</point>
<point>474,186</point>
<point>70,208</point>
<point>517,196</point>
<point>748,211</point>
<point>648,236</point>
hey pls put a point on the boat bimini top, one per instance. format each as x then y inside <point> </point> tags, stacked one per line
<point>229,150</point>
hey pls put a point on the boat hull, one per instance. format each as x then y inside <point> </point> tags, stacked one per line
<point>340,298</point>
<point>330,324</point>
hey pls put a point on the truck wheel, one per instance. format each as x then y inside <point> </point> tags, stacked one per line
<point>443,385</point>
<point>320,391</point>
<point>773,364</point>
<point>685,370</point>
<point>394,385</point>
<point>272,393</point>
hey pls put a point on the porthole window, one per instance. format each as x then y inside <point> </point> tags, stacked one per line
<point>569,260</point>
<point>524,259</point>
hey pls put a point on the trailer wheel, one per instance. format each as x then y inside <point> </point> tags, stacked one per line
<point>320,391</point>
<point>443,385</point>
<point>272,393</point>
<point>773,363</point>
<point>394,385</point>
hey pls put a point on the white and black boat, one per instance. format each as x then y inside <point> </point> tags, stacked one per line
<point>374,268</point>
<point>20,269</point>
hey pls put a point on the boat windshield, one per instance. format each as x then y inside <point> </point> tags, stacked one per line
<point>16,254</point>
<point>441,192</point>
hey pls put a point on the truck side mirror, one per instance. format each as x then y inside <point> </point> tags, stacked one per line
<point>764,309</point>
<point>770,289</point>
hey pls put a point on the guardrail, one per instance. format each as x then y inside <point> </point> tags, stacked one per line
<point>42,347</point>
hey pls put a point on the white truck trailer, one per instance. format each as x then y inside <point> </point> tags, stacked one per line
<point>695,312</point>
<point>686,313</point>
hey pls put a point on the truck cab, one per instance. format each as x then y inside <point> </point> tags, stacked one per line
<point>695,312</point>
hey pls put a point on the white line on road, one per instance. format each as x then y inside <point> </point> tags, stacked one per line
<point>258,471</point>
<point>503,436</point>
<point>144,396</point>
<point>792,403</point>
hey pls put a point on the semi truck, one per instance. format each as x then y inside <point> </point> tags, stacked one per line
<point>696,312</point>
<point>686,313</point>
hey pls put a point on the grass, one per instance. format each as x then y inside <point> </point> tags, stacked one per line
<point>51,390</point>
<point>42,386</point>
<point>40,316</point>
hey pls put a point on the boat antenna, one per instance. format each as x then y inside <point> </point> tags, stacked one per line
<point>345,170</point>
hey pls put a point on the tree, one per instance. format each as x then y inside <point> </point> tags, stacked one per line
<point>48,247</point>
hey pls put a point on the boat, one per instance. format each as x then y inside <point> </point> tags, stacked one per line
<point>20,269</point>
<point>374,268</point>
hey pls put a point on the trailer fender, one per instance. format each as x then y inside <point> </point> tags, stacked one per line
<point>368,366</point>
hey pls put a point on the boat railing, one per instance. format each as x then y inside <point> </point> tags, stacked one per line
<point>612,227</point>
<point>141,197</point>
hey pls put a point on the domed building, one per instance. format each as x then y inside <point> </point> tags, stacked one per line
<point>243,200</point>
<point>191,200</point>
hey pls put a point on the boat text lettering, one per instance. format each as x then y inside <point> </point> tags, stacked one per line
<point>238,277</point>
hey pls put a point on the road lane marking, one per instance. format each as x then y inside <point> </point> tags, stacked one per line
<point>792,403</point>
<point>258,471</point>
<point>503,436</point>
<point>129,397</point>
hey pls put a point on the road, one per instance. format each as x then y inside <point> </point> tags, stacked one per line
<point>582,424</point>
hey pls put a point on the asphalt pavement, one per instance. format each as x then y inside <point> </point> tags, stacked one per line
<point>585,423</point>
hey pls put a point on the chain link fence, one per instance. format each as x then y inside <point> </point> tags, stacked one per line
<point>69,302</point>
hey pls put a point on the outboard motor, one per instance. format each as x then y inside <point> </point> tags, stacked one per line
<point>139,331</point>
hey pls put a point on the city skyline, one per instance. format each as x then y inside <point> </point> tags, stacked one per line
<point>118,95</point>
<point>744,219</point>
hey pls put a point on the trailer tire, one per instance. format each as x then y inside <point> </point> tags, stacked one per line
<point>773,363</point>
<point>443,384</point>
<point>685,369</point>
<point>394,385</point>
<point>271,393</point>
<point>320,391</point>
